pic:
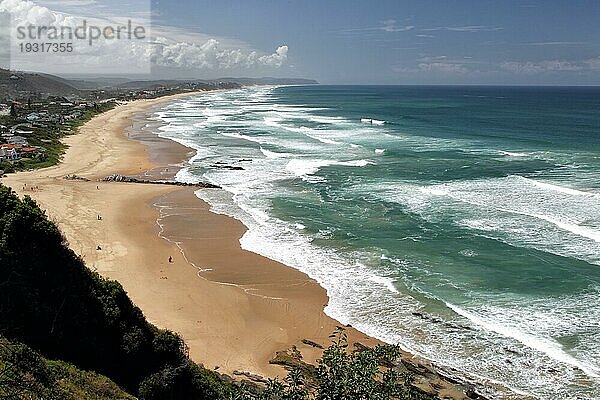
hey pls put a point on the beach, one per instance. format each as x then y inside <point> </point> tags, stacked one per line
<point>179,262</point>
<point>250,308</point>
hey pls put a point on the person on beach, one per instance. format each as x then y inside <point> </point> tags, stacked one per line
<point>170,259</point>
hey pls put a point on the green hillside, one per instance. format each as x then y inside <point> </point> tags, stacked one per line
<point>51,302</point>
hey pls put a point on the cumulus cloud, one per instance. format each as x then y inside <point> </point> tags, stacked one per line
<point>171,47</point>
<point>210,55</point>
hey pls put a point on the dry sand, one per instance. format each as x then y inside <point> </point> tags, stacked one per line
<point>235,309</point>
<point>237,315</point>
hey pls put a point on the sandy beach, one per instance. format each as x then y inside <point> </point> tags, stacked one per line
<point>235,309</point>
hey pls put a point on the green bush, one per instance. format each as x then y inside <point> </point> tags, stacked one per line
<point>50,301</point>
<point>344,375</point>
<point>25,374</point>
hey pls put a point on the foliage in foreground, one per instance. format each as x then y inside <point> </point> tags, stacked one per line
<point>25,374</point>
<point>342,375</point>
<point>51,302</point>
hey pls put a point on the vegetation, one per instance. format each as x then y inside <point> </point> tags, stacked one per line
<point>52,303</point>
<point>342,375</point>
<point>47,135</point>
<point>25,374</point>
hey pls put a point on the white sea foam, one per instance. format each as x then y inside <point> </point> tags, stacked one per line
<point>301,167</point>
<point>512,153</point>
<point>372,121</point>
<point>238,135</point>
<point>327,120</point>
<point>557,188</point>
<point>273,154</point>
<point>388,283</point>
<point>366,297</point>
<point>544,345</point>
<point>522,211</point>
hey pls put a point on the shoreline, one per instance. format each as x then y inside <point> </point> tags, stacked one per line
<point>236,315</point>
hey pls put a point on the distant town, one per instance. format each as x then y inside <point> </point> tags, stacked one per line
<point>37,110</point>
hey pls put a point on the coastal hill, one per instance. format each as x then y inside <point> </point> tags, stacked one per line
<point>18,85</point>
<point>123,83</point>
<point>12,83</point>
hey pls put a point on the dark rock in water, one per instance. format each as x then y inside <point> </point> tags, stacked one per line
<point>509,350</point>
<point>230,167</point>
<point>75,178</point>
<point>467,328</point>
<point>420,315</point>
<point>472,394</point>
<point>311,343</point>
<point>129,179</point>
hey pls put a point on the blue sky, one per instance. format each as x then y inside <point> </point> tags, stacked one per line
<point>495,42</point>
<point>347,42</point>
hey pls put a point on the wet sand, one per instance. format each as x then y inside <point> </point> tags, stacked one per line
<point>235,309</point>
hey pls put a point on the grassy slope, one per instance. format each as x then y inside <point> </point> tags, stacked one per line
<point>51,302</point>
<point>25,374</point>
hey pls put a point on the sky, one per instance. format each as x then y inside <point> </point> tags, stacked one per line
<point>527,42</point>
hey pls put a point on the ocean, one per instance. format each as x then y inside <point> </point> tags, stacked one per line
<point>462,223</point>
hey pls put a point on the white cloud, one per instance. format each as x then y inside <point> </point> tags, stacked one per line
<point>442,67</point>
<point>593,64</point>
<point>427,59</point>
<point>467,28</point>
<point>210,55</point>
<point>530,67</point>
<point>169,46</point>
<point>552,43</point>
<point>391,25</point>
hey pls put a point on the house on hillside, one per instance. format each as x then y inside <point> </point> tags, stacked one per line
<point>8,153</point>
<point>14,140</point>
<point>20,151</point>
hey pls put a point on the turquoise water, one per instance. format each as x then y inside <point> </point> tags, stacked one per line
<point>460,222</point>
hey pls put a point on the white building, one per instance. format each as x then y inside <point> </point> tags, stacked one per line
<point>8,154</point>
<point>17,141</point>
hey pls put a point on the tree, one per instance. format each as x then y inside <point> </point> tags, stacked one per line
<point>344,375</point>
